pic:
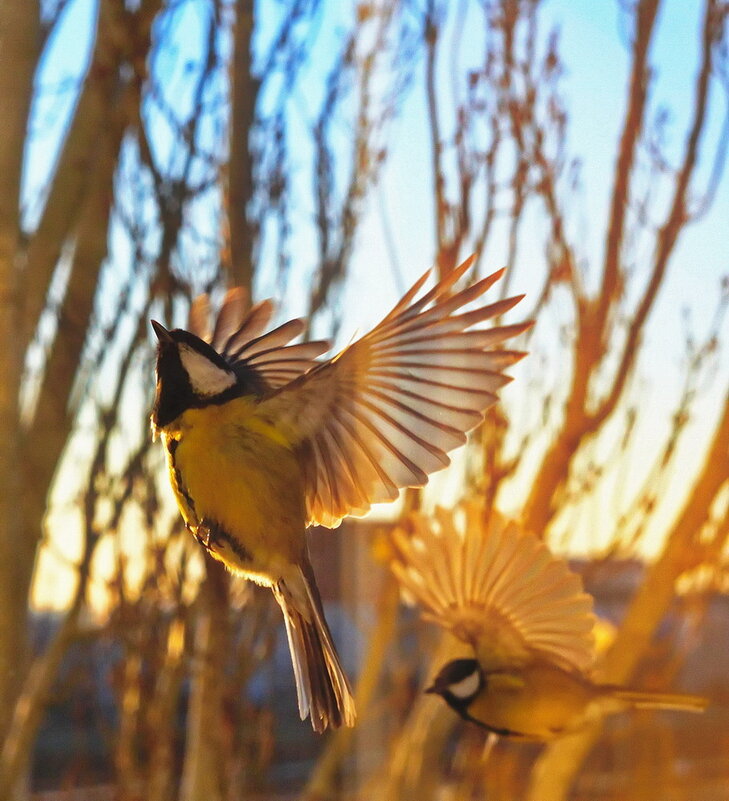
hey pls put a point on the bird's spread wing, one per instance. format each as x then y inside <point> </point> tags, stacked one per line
<point>240,337</point>
<point>384,413</point>
<point>495,586</point>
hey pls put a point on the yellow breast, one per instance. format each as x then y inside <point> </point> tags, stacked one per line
<point>236,469</point>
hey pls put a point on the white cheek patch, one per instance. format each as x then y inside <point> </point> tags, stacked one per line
<point>206,378</point>
<point>467,687</point>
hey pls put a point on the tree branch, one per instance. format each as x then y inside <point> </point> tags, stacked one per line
<point>612,277</point>
<point>244,90</point>
<point>674,224</point>
<point>19,35</point>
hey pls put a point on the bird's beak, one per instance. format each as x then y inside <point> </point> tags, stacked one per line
<point>433,689</point>
<point>163,335</point>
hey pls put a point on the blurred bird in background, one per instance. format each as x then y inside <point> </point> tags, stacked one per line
<point>262,440</point>
<point>526,622</point>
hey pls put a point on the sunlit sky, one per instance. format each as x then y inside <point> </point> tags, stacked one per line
<point>596,57</point>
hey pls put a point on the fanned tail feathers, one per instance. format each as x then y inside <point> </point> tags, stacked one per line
<point>322,687</point>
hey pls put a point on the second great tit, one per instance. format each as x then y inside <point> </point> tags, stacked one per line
<point>525,619</point>
<point>540,701</point>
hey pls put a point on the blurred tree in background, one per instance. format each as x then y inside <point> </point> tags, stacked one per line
<point>203,143</point>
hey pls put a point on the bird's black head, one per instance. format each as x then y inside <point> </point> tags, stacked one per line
<point>189,373</point>
<point>458,683</point>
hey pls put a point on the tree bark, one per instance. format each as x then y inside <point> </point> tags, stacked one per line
<point>244,88</point>
<point>203,773</point>
<point>19,46</point>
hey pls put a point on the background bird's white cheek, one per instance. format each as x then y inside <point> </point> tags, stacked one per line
<point>206,378</point>
<point>465,688</point>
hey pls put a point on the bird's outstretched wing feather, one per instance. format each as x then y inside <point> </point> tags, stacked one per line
<point>384,413</point>
<point>239,335</point>
<point>494,586</point>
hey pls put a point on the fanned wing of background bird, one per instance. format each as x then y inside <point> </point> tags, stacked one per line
<point>496,587</point>
<point>384,413</point>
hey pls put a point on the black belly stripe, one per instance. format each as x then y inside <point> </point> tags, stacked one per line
<point>180,487</point>
<point>209,533</point>
<point>493,729</point>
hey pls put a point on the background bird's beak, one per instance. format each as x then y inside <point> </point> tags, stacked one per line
<point>163,335</point>
<point>432,689</point>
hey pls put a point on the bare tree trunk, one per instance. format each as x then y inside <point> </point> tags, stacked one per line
<point>205,751</point>
<point>244,88</point>
<point>19,47</point>
<point>163,718</point>
<point>46,438</point>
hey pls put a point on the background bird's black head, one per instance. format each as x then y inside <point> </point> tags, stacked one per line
<point>189,373</point>
<point>458,683</point>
